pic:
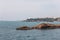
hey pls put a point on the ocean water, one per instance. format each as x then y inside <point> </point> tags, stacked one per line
<point>8,31</point>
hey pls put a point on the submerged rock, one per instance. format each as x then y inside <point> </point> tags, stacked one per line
<point>23,28</point>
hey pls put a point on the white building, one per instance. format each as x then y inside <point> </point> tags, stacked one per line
<point>58,19</point>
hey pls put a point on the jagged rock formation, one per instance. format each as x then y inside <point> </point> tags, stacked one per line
<point>40,26</point>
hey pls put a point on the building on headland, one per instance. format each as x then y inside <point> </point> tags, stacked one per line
<point>57,19</point>
<point>40,20</point>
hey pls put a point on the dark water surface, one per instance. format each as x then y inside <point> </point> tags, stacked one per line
<point>8,31</point>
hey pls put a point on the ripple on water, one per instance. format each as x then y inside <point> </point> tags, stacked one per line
<point>31,35</point>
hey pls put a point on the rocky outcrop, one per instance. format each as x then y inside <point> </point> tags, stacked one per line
<point>23,28</point>
<point>44,26</point>
<point>40,26</point>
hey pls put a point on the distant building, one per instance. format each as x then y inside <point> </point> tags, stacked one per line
<point>57,19</point>
<point>40,20</point>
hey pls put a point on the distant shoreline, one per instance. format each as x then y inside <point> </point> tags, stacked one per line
<point>41,20</point>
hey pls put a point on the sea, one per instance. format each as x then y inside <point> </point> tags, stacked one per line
<point>8,31</point>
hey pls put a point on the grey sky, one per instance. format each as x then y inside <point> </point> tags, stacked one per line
<point>23,9</point>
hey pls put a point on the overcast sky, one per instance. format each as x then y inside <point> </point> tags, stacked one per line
<point>22,9</point>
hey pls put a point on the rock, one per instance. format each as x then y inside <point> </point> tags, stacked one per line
<point>46,26</point>
<point>40,26</point>
<point>23,28</point>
